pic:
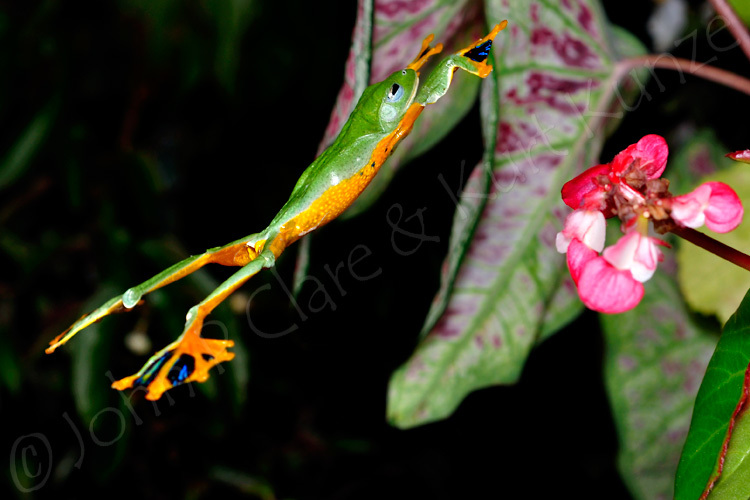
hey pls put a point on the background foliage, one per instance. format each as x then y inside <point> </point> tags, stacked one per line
<point>135,133</point>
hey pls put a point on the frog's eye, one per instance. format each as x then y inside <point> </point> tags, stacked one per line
<point>395,93</point>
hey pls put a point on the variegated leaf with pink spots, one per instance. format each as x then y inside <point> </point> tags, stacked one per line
<point>503,285</point>
<point>356,73</point>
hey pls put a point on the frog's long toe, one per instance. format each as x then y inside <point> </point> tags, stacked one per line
<point>112,306</point>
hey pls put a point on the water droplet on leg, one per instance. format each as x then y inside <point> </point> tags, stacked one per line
<point>190,314</point>
<point>130,298</point>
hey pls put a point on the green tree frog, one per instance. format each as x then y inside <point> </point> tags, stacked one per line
<point>383,116</point>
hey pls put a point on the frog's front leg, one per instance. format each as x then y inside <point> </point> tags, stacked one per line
<point>237,253</point>
<point>472,58</point>
<point>191,356</point>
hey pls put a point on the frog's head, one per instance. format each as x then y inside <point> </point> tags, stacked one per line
<point>396,93</point>
<point>388,100</point>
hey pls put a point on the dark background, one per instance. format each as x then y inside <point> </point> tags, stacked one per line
<point>162,143</point>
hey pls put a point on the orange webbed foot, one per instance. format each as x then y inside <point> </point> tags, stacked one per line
<point>187,359</point>
<point>478,51</point>
<point>190,357</point>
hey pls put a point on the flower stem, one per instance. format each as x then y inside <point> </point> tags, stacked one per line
<point>714,246</point>
<point>668,61</point>
<point>735,25</point>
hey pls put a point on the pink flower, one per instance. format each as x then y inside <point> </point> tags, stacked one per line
<point>584,191</point>
<point>577,256</point>
<point>586,226</point>
<point>743,155</point>
<point>630,188</point>
<point>592,189</point>
<point>649,156</point>
<point>712,203</point>
<point>612,283</point>
<point>604,288</point>
<point>636,253</point>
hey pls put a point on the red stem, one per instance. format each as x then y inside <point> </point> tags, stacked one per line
<point>716,247</point>
<point>735,25</point>
<point>668,61</point>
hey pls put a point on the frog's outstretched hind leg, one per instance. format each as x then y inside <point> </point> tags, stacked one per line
<point>190,357</point>
<point>237,253</point>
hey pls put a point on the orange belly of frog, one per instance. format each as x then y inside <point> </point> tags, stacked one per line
<point>338,198</point>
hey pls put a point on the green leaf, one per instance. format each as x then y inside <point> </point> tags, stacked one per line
<point>249,485</point>
<point>10,365</point>
<point>722,389</point>
<point>19,158</point>
<point>553,89</point>
<point>735,478</point>
<point>655,356</point>
<point>742,8</point>
<point>710,284</point>
<point>232,18</point>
